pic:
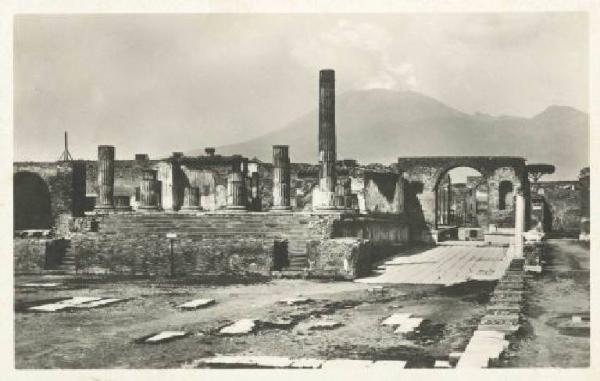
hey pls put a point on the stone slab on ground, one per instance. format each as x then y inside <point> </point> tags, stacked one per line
<point>324,324</point>
<point>40,285</point>
<point>64,304</point>
<point>279,323</point>
<point>387,365</point>
<point>295,301</point>
<point>508,328</point>
<point>164,336</point>
<point>409,325</point>
<point>240,327</point>
<point>473,361</point>
<point>345,364</point>
<point>196,304</point>
<point>442,364</point>
<point>306,363</point>
<point>498,319</point>
<point>225,361</point>
<point>98,303</point>
<point>397,318</point>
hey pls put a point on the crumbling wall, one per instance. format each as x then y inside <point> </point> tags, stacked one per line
<point>33,255</point>
<point>341,257</point>
<point>29,255</point>
<point>564,200</point>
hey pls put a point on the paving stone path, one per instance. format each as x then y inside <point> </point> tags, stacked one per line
<point>447,265</point>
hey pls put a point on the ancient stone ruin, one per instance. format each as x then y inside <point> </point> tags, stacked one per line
<point>192,215</point>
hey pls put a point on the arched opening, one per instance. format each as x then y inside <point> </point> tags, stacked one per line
<point>461,198</point>
<point>31,202</point>
<point>505,195</point>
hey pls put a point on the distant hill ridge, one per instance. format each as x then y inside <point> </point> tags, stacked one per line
<point>380,125</point>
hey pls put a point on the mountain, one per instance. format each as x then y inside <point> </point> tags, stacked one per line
<point>381,125</point>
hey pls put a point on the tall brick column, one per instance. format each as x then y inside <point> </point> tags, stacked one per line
<point>281,178</point>
<point>327,145</point>
<point>149,190</point>
<point>106,177</point>
<point>191,198</point>
<point>236,195</point>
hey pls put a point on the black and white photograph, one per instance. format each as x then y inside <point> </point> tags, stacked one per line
<point>302,191</point>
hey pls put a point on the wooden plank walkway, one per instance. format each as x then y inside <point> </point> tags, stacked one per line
<point>447,265</point>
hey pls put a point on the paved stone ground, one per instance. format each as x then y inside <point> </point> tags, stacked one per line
<point>446,265</point>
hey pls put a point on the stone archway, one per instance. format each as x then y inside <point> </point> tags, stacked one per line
<point>461,197</point>
<point>31,202</point>
<point>422,211</point>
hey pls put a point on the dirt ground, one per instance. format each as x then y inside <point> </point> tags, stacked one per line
<point>554,296</point>
<point>106,337</point>
<point>109,337</point>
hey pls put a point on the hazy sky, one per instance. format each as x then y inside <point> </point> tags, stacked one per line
<point>162,83</point>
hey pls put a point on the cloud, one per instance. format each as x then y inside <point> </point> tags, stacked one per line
<point>360,50</point>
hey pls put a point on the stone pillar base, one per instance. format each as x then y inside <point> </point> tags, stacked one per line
<point>148,208</point>
<point>236,208</point>
<point>190,208</point>
<point>104,207</point>
<point>280,209</point>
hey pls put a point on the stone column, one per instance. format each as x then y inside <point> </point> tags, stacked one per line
<point>519,222</point>
<point>148,190</point>
<point>235,187</point>
<point>106,177</point>
<point>281,178</point>
<point>191,198</point>
<point>327,144</point>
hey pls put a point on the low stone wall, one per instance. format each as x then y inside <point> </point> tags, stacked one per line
<point>153,257</point>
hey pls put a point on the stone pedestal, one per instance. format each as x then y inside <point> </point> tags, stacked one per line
<point>106,177</point>
<point>122,203</point>
<point>149,193</point>
<point>191,198</point>
<point>281,179</point>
